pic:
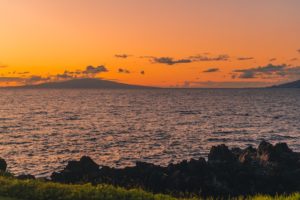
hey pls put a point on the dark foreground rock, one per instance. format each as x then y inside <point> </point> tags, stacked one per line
<point>269,169</point>
<point>3,165</point>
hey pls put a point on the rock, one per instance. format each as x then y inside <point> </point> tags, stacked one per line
<point>26,177</point>
<point>265,152</point>
<point>220,153</point>
<point>248,155</point>
<point>77,171</point>
<point>269,169</point>
<point>3,165</point>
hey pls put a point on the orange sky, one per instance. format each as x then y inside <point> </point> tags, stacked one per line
<point>47,37</point>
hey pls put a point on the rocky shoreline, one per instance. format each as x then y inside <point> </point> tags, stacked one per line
<point>267,169</point>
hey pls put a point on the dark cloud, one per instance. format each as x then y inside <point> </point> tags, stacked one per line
<point>3,66</point>
<point>245,58</point>
<point>65,75</point>
<point>269,71</point>
<point>36,79</point>
<point>232,84</point>
<point>22,73</point>
<point>211,70</point>
<point>293,59</point>
<point>260,71</point>
<point>10,79</point>
<point>95,70</point>
<point>170,60</point>
<point>298,50</point>
<point>124,56</point>
<point>124,71</point>
<point>190,59</point>
<point>143,72</point>
<point>272,59</point>
<point>201,58</point>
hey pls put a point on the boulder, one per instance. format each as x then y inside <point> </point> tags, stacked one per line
<point>248,155</point>
<point>77,171</point>
<point>3,165</point>
<point>220,153</point>
<point>26,177</point>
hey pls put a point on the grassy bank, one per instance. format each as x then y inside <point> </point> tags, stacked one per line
<point>37,190</point>
<point>13,189</point>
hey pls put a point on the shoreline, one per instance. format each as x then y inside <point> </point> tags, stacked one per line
<point>268,169</point>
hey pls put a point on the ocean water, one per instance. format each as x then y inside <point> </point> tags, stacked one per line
<point>41,130</point>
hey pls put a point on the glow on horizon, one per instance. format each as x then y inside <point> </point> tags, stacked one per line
<point>47,37</point>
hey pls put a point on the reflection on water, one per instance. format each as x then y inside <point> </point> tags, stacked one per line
<point>40,130</point>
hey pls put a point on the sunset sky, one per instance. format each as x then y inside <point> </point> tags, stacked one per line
<point>168,43</point>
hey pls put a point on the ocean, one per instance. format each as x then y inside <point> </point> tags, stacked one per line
<point>41,130</point>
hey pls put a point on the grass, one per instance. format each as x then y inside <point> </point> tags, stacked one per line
<point>6,198</point>
<point>39,190</point>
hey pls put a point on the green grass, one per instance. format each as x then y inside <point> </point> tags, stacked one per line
<point>39,190</point>
<point>6,198</point>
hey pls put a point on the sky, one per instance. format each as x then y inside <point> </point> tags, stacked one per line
<point>169,43</point>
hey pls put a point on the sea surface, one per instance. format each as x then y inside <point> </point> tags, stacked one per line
<point>41,130</point>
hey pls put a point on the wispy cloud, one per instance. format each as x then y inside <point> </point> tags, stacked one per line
<point>170,60</point>
<point>245,58</point>
<point>95,70</point>
<point>205,58</point>
<point>123,71</point>
<point>190,59</point>
<point>293,59</point>
<point>211,70</point>
<point>88,72</point>
<point>123,56</point>
<point>232,84</point>
<point>268,71</point>
<point>272,59</point>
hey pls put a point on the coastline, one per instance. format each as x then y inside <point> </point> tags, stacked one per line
<point>268,169</point>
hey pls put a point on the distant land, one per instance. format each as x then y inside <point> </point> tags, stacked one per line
<point>84,83</point>
<point>294,84</point>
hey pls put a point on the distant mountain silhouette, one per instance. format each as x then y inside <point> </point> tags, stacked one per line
<point>295,84</point>
<point>84,83</point>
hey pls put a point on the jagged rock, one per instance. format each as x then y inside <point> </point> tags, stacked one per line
<point>269,169</point>
<point>25,177</point>
<point>76,171</point>
<point>3,165</point>
<point>248,155</point>
<point>220,153</point>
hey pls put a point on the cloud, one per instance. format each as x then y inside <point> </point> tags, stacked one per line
<point>229,84</point>
<point>143,72</point>
<point>36,79</point>
<point>124,71</point>
<point>95,70</point>
<point>298,50</point>
<point>293,59</point>
<point>245,58</point>
<point>10,79</point>
<point>268,71</point>
<point>3,66</point>
<point>170,60</point>
<point>66,75</point>
<point>272,59</point>
<point>211,70</point>
<point>22,73</point>
<point>124,56</point>
<point>201,58</point>
<point>262,70</point>
<point>198,58</point>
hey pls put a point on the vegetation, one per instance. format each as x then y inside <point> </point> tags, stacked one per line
<point>40,190</point>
